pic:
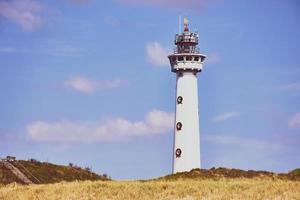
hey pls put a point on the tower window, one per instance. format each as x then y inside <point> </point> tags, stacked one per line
<point>188,58</point>
<point>179,99</point>
<point>178,153</point>
<point>180,58</point>
<point>196,59</point>
<point>178,126</point>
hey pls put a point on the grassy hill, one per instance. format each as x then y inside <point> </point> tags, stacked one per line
<point>218,173</point>
<point>41,173</point>
<point>215,183</point>
<point>294,175</point>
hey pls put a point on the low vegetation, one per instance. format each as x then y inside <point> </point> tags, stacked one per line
<point>294,175</point>
<point>215,183</point>
<point>217,173</point>
<point>185,189</point>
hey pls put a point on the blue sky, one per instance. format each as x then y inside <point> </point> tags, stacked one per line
<point>88,82</point>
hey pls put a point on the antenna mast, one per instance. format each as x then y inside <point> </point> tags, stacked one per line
<point>179,24</point>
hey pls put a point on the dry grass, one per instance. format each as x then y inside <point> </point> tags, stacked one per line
<point>253,189</point>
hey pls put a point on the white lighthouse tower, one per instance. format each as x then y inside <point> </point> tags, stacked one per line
<point>186,62</point>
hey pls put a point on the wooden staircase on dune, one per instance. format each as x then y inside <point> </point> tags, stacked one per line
<point>16,172</point>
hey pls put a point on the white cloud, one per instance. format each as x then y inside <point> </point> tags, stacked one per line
<point>156,54</point>
<point>85,85</point>
<point>81,84</point>
<point>26,13</point>
<point>291,87</point>
<point>225,116</point>
<point>294,121</point>
<point>114,129</point>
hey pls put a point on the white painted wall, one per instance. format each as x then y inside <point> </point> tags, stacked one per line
<point>188,138</point>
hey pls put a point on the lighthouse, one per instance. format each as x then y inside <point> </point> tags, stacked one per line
<point>186,61</point>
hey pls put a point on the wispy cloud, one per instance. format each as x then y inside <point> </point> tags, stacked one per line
<point>249,143</point>
<point>294,121</point>
<point>61,49</point>
<point>86,85</point>
<point>80,2</point>
<point>56,48</point>
<point>114,129</point>
<point>194,5</point>
<point>225,116</point>
<point>291,87</point>
<point>157,54</point>
<point>81,84</point>
<point>26,13</point>
<point>11,136</point>
<point>231,151</point>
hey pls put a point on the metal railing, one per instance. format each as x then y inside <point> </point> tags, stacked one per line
<point>191,37</point>
<point>28,172</point>
<point>194,50</point>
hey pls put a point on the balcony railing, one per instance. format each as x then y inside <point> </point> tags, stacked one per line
<point>189,38</point>
<point>194,50</point>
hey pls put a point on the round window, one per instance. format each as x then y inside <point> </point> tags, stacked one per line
<point>179,99</point>
<point>178,153</point>
<point>179,126</point>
